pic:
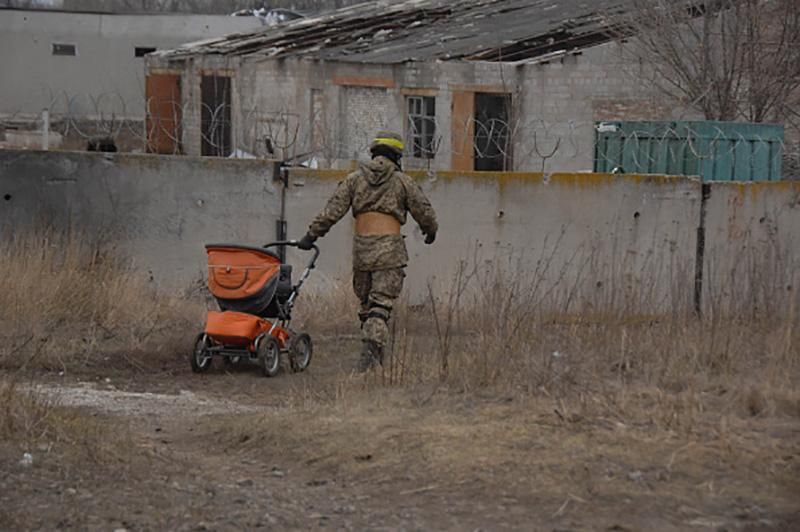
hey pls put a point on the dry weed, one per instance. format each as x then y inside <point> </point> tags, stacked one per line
<point>65,301</point>
<point>498,329</point>
<point>531,445</point>
<point>332,310</point>
<point>41,426</point>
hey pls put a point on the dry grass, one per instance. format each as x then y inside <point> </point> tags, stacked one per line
<point>487,390</point>
<point>501,383</point>
<point>529,451</point>
<point>65,301</point>
<point>330,311</point>
<point>496,331</point>
<point>32,423</point>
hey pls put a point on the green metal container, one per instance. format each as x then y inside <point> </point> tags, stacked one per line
<point>714,151</point>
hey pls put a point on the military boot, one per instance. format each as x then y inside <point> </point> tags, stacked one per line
<point>371,355</point>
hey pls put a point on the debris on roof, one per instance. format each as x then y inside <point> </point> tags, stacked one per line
<point>388,32</point>
<point>269,17</point>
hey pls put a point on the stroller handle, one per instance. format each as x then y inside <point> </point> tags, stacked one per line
<point>295,243</point>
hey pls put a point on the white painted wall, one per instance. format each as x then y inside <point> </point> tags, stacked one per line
<point>104,76</point>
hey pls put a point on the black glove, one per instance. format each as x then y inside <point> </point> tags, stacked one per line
<point>429,238</point>
<point>307,242</point>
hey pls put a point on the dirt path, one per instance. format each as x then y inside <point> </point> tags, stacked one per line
<point>189,483</point>
<point>177,482</point>
<point>232,451</point>
<point>138,404</point>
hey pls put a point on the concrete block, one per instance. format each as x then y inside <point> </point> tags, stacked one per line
<point>752,246</point>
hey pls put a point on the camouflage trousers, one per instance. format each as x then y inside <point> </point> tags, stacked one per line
<point>377,291</point>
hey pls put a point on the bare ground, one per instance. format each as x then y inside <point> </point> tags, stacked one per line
<point>327,449</point>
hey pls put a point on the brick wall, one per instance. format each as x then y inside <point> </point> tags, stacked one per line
<point>365,112</point>
<point>555,105</point>
<point>629,109</point>
<point>564,97</point>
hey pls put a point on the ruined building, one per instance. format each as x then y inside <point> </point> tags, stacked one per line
<point>473,85</point>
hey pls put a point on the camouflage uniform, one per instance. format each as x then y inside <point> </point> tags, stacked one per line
<point>378,261</point>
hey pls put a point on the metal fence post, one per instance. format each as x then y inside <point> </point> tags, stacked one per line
<point>45,129</point>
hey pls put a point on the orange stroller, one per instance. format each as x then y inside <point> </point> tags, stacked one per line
<point>255,295</point>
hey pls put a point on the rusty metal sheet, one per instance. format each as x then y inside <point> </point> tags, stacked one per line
<point>463,131</point>
<point>164,113</point>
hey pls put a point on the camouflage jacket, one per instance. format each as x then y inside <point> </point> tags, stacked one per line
<point>377,187</point>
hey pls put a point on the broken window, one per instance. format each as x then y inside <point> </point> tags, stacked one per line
<point>422,126</point>
<point>141,51</point>
<point>64,49</point>
<point>492,149</point>
<point>215,116</point>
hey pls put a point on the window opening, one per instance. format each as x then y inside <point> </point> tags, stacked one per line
<point>492,126</point>
<point>141,51</point>
<point>422,126</point>
<point>215,93</point>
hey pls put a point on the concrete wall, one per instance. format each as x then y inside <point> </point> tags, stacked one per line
<point>592,241</point>
<point>105,76</point>
<point>600,239</point>
<point>752,252</point>
<point>159,210</point>
<point>606,240</point>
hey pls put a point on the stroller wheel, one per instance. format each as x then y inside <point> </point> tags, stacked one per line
<point>201,358</point>
<point>269,356</point>
<point>300,352</point>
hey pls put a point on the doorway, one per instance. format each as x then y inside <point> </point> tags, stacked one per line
<point>215,116</point>
<point>481,131</point>
<point>492,146</point>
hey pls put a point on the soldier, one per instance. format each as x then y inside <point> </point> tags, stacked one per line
<point>379,195</point>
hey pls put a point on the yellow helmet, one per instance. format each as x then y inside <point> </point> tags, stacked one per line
<point>391,140</point>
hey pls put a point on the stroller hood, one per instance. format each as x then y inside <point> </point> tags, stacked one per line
<point>242,278</point>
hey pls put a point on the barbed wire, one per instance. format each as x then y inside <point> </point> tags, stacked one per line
<point>521,143</point>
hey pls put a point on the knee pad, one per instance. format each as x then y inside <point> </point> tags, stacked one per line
<point>378,312</point>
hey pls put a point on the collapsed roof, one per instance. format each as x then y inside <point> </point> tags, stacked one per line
<point>390,32</point>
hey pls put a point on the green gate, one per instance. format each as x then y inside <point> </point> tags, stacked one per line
<point>715,151</point>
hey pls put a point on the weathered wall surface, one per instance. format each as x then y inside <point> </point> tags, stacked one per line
<point>598,240</point>
<point>593,241</point>
<point>159,210</point>
<point>104,77</point>
<point>567,95</point>
<point>555,104</point>
<point>752,255</point>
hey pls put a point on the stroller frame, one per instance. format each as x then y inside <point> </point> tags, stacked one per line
<point>275,337</point>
